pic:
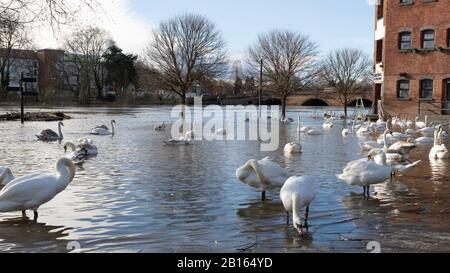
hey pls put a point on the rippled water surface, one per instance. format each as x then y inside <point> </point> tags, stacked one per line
<point>138,195</point>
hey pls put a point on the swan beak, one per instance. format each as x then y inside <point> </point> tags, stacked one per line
<point>369,157</point>
<point>65,149</point>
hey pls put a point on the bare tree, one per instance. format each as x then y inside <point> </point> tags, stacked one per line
<point>348,71</point>
<point>52,11</point>
<point>86,48</point>
<point>289,62</point>
<point>13,37</point>
<point>186,49</point>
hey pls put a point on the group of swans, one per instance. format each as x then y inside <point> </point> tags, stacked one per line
<point>388,161</point>
<point>295,192</point>
<point>33,190</point>
<point>49,135</point>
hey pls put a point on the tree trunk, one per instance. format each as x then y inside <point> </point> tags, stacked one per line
<point>345,108</point>
<point>283,107</point>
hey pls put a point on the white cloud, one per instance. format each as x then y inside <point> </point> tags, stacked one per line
<point>130,30</point>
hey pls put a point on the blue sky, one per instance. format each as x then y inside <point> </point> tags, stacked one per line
<point>331,23</point>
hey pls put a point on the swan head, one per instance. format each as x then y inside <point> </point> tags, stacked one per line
<point>113,121</point>
<point>61,124</point>
<point>296,220</point>
<point>71,146</point>
<point>6,176</point>
<point>67,164</point>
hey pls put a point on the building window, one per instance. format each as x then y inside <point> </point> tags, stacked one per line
<point>426,89</point>
<point>406,2</point>
<point>379,49</point>
<point>403,89</point>
<point>428,39</point>
<point>380,10</point>
<point>448,38</point>
<point>404,40</point>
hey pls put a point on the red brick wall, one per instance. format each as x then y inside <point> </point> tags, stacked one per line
<point>434,65</point>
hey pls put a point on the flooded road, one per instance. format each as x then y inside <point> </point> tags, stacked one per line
<point>138,195</point>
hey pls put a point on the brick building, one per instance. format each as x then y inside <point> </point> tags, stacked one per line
<point>412,56</point>
<point>55,72</point>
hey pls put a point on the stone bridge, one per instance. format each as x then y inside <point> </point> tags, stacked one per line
<point>326,98</point>
<point>318,98</point>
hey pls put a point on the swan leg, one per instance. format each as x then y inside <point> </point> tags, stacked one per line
<point>263,195</point>
<point>306,217</point>
<point>36,215</point>
<point>287,218</point>
<point>368,191</point>
<point>24,214</point>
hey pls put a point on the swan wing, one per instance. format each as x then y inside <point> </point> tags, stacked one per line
<point>49,133</point>
<point>28,192</point>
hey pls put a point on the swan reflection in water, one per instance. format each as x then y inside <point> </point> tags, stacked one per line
<point>23,234</point>
<point>439,170</point>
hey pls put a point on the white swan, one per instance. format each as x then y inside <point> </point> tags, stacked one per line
<point>88,145</point>
<point>369,145</point>
<point>404,147</point>
<point>346,132</point>
<point>6,176</point>
<point>287,120</point>
<point>298,193</point>
<point>223,131</point>
<point>439,150</point>
<point>32,191</point>
<point>365,130</point>
<point>293,148</point>
<point>103,130</point>
<point>421,124</point>
<point>191,134</point>
<point>263,175</point>
<point>182,141</point>
<point>424,141</point>
<point>77,155</point>
<point>365,173</point>
<point>328,124</point>
<point>404,169</point>
<point>50,135</point>
<point>313,132</point>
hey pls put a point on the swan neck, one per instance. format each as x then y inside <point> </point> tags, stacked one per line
<point>66,172</point>
<point>60,131</point>
<point>255,165</point>
<point>295,210</point>
<point>112,127</point>
<point>385,140</point>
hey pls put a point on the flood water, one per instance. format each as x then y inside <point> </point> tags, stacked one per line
<point>138,195</point>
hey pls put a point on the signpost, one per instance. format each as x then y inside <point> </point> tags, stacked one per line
<point>23,93</point>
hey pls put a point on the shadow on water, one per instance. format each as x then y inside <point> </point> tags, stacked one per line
<point>25,235</point>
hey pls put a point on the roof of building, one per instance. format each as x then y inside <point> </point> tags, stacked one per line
<point>19,54</point>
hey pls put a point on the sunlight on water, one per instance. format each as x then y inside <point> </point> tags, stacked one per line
<point>138,195</point>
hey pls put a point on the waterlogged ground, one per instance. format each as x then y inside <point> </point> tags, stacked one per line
<point>141,196</point>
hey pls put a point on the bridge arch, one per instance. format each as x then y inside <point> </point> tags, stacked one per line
<point>367,103</point>
<point>315,102</point>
